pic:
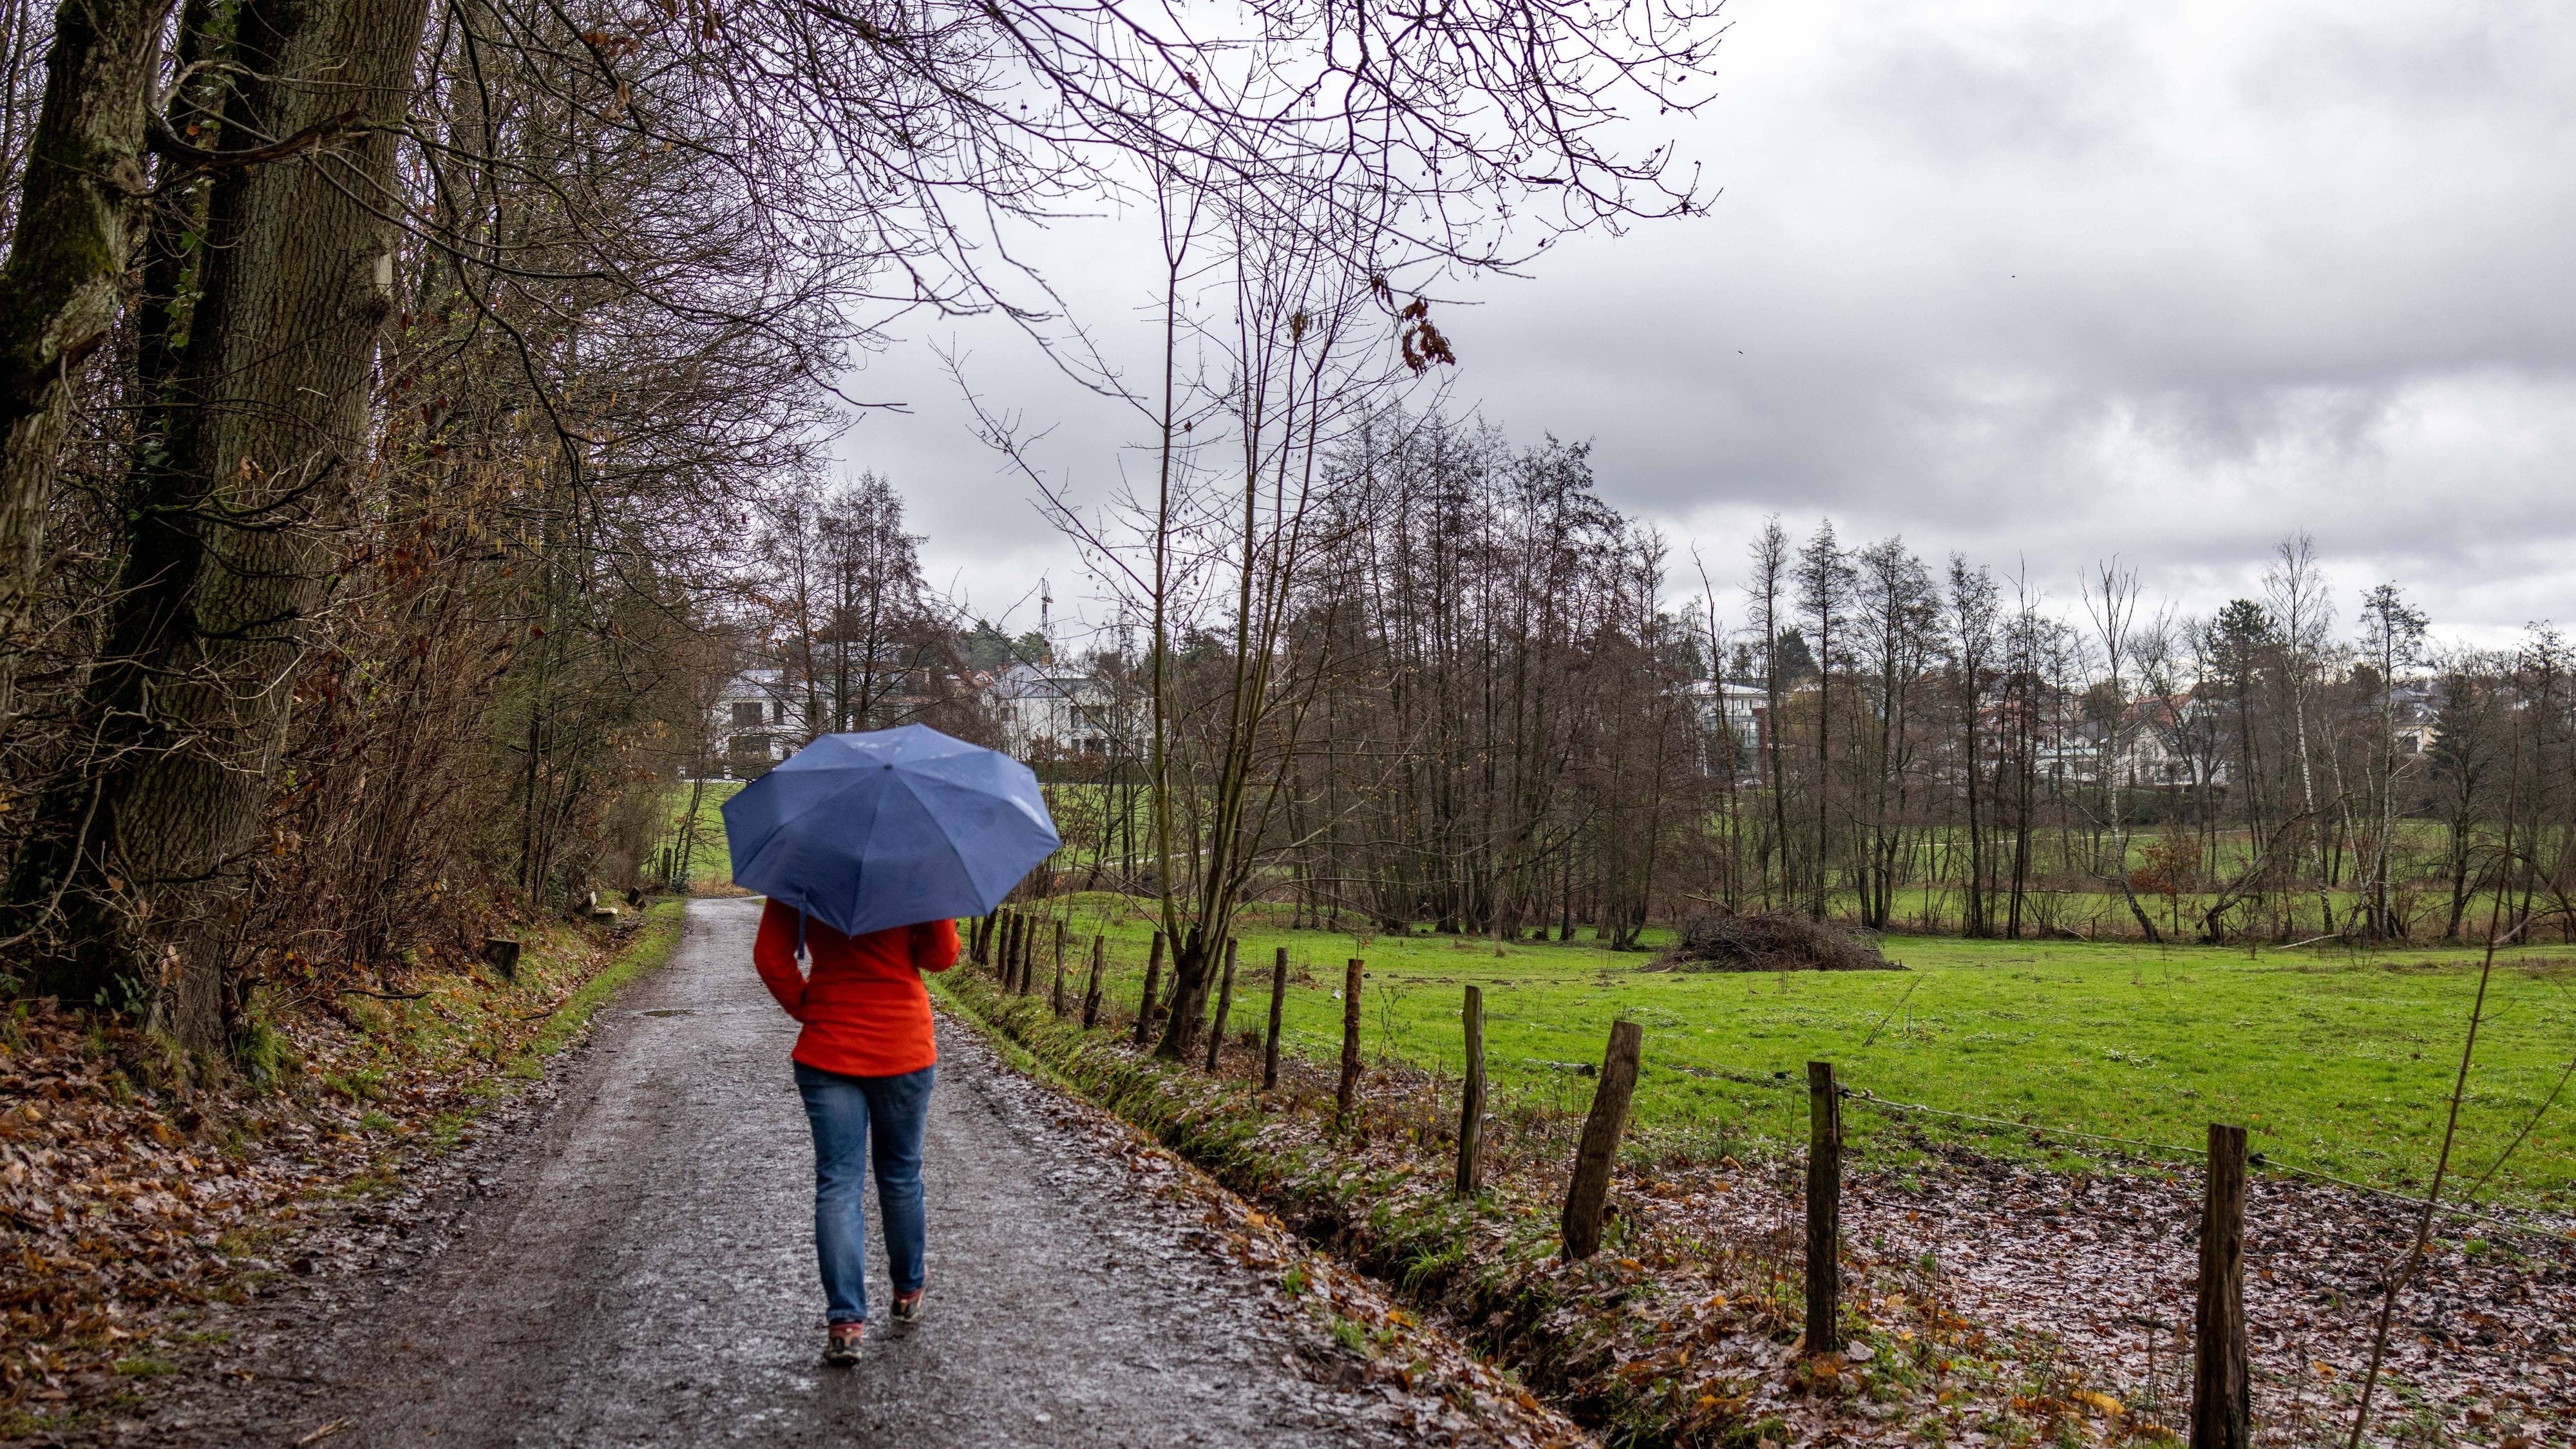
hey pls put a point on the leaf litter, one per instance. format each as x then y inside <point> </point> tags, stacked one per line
<point>129,1197</point>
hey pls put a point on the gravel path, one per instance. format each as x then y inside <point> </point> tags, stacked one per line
<point>634,1265</point>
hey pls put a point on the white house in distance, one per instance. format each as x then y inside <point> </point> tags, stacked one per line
<point>1740,708</point>
<point>756,723</point>
<point>1047,711</point>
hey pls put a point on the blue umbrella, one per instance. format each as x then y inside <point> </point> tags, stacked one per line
<point>887,828</point>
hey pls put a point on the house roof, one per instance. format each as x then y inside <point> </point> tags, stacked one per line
<point>763,681</point>
<point>1027,681</point>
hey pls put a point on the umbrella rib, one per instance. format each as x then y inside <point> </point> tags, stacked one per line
<point>904,777</point>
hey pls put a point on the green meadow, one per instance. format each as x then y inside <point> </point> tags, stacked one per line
<point>2338,1062</point>
<point>2334,1060</point>
<point>708,864</point>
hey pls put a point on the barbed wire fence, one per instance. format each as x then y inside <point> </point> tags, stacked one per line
<point>2216,1382</point>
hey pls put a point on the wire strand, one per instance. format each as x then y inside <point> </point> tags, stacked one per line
<point>1866,1095</point>
<point>2555,1235</point>
<point>2258,1159</point>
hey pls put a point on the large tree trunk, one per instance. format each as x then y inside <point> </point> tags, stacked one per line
<point>233,537</point>
<point>65,280</point>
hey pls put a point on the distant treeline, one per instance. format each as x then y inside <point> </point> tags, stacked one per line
<point>1497,721</point>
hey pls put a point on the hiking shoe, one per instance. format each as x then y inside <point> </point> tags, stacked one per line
<point>907,1306</point>
<point>841,1347</point>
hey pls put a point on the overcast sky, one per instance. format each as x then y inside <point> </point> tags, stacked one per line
<point>2041,282</point>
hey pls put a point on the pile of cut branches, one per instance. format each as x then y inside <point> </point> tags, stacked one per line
<point>1770,941</point>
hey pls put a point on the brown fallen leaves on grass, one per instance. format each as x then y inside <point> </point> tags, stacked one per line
<point>124,1197</point>
<point>2064,1302</point>
<point>2485,1350</point>
<point>1987,1302</point>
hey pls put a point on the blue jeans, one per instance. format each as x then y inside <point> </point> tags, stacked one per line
<point>841,1110</point>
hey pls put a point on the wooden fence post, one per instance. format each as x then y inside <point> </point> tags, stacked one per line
<point>1224,1003</point>
<point>1022,929</point>
<point>2221,1407</point>
<point>1471,1100</point>
<point>1055,998</point>
<point>1348,1096</point>
<point>1278,999</point>
<point>1824,1209</point>
<point>1006,970</point>
<point>1589,1191</point>
<point>1091,993</point>
<point>1153,977</point>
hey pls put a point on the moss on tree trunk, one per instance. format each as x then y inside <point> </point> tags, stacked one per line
<point>234,536</point>
<point>64,284</point>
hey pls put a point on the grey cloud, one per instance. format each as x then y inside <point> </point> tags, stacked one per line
<point>2048,282</point>
<point>2066,90</point>
<point>2422,61</point>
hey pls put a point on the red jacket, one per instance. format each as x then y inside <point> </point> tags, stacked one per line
<point>865,1011</point>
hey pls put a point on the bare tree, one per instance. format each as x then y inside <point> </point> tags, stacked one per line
<point>2296,589</point>
<point>1767,591</point>
<point>2393,641</point>
<point>1970,640</point>
<point>2111,602</point>
<point>1894,613</point>
<point>1826,580</point>
<point>884,633</point>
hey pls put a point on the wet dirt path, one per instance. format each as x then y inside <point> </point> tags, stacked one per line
<point>638,1269</point>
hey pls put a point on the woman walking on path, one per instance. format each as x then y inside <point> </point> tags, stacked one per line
<point>864,1064</point>
<point>851,834</point>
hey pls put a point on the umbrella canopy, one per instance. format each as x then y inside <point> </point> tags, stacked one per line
<point>887,828</point>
